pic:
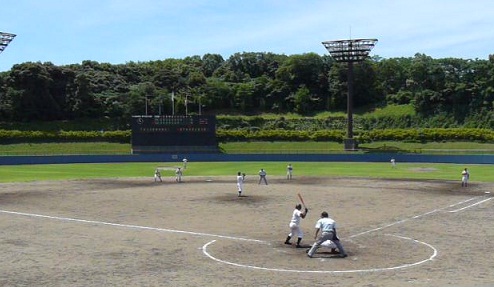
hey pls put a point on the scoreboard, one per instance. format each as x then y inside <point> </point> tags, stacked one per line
<point>173,133</point>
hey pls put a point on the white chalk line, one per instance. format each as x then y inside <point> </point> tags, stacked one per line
<point>471,205</point>
<point>434,254</point>
<point>413,217</point>
<point>255,240</point>
<point>128,226</point>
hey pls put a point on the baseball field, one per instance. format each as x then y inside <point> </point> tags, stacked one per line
<point>422,229</point>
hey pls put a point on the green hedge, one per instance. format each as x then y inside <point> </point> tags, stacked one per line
<point>279,135</point>
<point>410,135</point>
<point>254,134</point>
<point>16,136</point>
<point>427,135</point>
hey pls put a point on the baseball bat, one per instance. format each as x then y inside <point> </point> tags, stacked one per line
<point>301,200</point>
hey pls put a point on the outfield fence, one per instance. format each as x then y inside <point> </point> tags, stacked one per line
<point>342,157</point>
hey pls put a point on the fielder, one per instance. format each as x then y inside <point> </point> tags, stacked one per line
<point>393,162</point>
<point>178,174</point>
<point>262,176</point>
<point>294,225</point>
<point>289,171</point>
<point>240,182</point>
<point>327,244</point>
<point>465,176</point>
<point>157,175</point>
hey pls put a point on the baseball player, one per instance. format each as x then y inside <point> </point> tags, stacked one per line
<point>294,225</point>
<point>465,176</point>
<point>327,244</point>
<point>178,174</point>
<point>393,162</point>
<point>327,227</point>
<point>157,175</point>
<point>240,182</point>
<point>262,176</point>
<point>185,163</point>
<point>289,171</point>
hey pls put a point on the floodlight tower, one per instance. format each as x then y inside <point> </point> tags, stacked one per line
<point>350,51</point>
<point>5,39</point>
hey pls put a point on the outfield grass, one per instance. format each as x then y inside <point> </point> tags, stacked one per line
<point>23,173</point>
<point>483,173</point>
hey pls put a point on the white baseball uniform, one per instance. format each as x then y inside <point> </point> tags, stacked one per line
<point>465,176</point>
<point>178,175</point>
<point>294,225</point>
<point>240,184</point>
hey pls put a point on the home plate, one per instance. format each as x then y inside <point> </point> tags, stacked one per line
<point>487,192</point>
<point>209,180</point>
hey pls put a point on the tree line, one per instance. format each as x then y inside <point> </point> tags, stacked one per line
<point>458,91</point>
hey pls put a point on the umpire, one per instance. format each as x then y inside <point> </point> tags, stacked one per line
<point>327,226</point>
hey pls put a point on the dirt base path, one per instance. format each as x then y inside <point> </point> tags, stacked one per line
<point>135,232</point>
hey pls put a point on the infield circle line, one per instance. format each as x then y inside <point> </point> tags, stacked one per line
<point>204,248</point>
<point>434,254</point>
<point>130,226</point>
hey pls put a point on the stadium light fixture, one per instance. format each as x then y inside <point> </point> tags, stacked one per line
<point>5,39</point>
<point>350,51</point>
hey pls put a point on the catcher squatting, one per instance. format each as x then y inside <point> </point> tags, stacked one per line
<point>325,226</point>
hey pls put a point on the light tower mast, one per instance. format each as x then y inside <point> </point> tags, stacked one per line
<point>350,51</point>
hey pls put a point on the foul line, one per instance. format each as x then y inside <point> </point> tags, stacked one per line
<point>434,253</point>
<point>468,206</point>
<point>128,226</point>
<point>421,215</point>
<point>204,248</point>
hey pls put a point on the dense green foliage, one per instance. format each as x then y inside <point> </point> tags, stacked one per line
<point>443,92</point>
<point>287,135</point>
<point>16,136</point>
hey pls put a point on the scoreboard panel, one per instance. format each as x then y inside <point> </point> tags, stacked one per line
<point>180,132</point>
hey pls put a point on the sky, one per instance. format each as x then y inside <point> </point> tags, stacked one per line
<point>120,31</point>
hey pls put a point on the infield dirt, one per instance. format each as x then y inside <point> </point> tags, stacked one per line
<point>135,232</point>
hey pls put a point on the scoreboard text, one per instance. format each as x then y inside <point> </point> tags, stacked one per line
<point>173,131</point>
